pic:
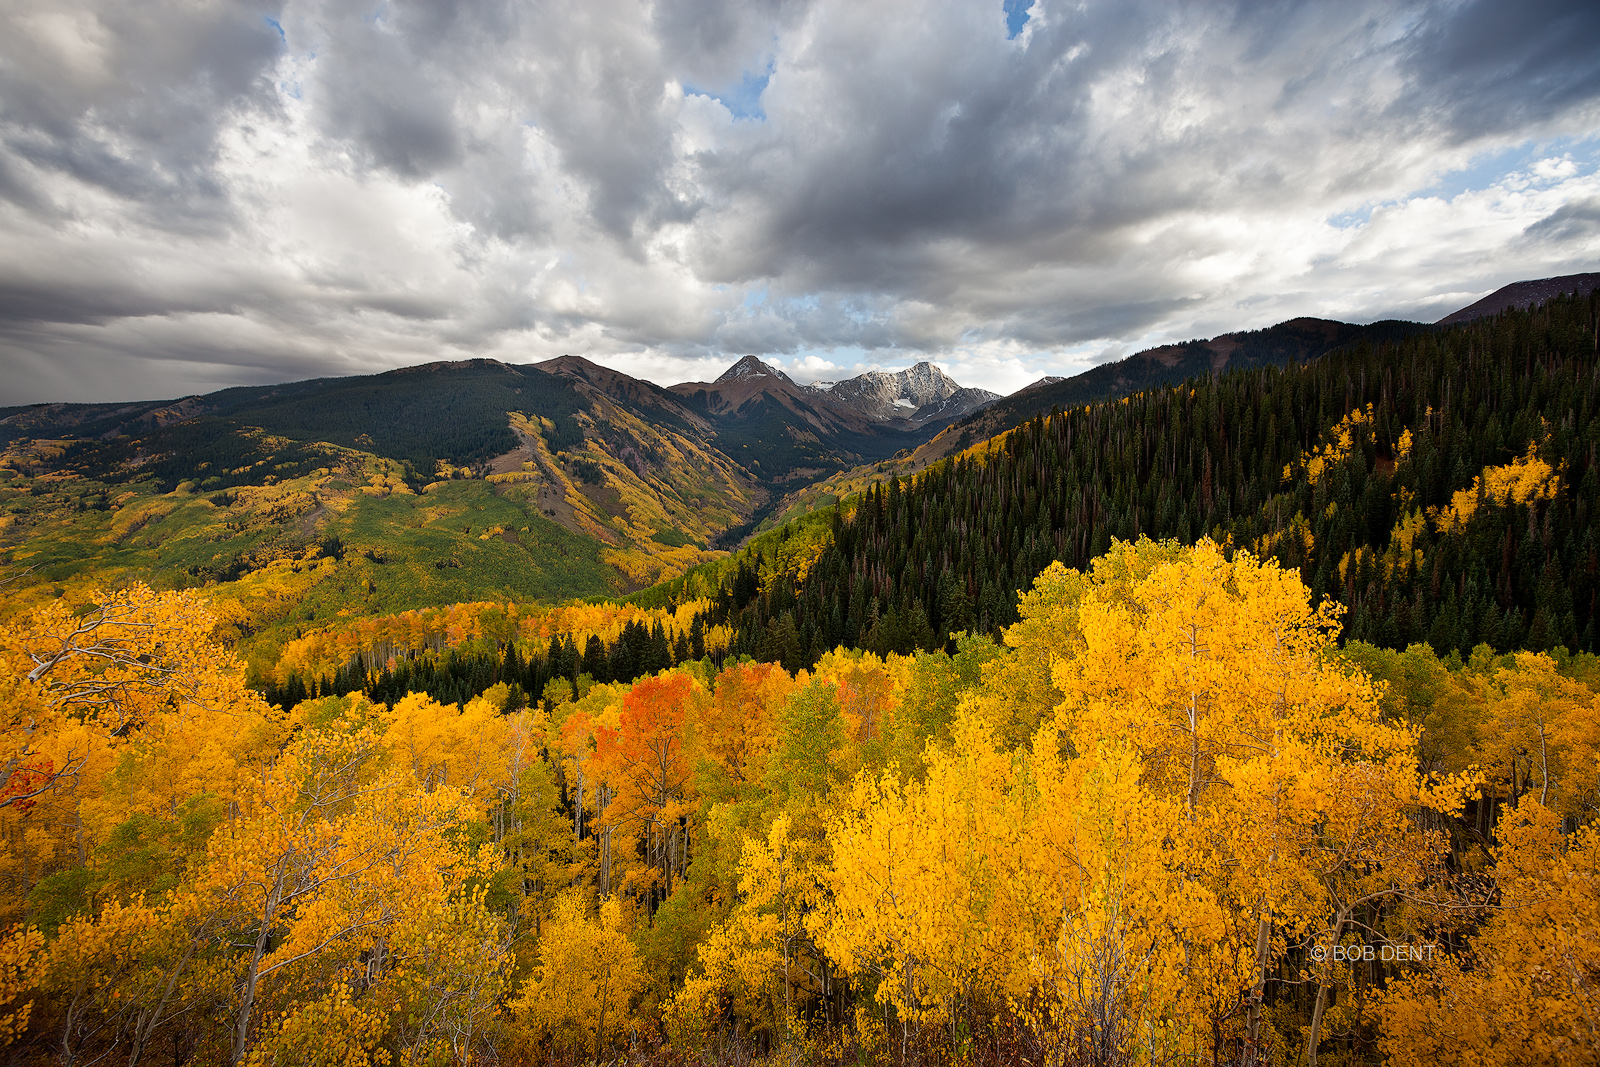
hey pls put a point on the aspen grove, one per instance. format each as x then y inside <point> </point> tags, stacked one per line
<point>1167,819</point>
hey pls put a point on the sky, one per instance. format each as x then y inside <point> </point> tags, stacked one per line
<point>203,193</point>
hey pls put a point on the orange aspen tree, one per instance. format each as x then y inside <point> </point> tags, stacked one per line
<point>738,726</point>
<point>647,761</point>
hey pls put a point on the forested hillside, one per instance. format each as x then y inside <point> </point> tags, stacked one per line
<point>1165,820</point>
<point>1443,487</point>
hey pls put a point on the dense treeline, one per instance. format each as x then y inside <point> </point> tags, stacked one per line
<point>1350,469</point>
<point>1286,344</point>
<point>459,674</point>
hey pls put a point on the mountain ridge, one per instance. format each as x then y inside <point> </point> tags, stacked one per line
<point>1523,294</point>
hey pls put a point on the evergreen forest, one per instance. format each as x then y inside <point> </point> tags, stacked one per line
<point>1442,487</point>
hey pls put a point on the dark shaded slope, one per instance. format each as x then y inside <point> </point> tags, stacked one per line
<point>1295,341</point>
<point>419,416</point>
<point>1523,294</point>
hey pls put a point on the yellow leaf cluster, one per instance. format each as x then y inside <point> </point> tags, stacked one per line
<point>1525,480</point>
<point>1340,440</point>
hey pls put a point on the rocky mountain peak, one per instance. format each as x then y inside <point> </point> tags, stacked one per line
<point>907,389</point>
<point>751,367</point>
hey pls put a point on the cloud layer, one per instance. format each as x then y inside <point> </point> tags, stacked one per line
<point>198,193</point>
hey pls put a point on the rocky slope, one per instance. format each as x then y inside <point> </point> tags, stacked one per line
<point>918,394</point>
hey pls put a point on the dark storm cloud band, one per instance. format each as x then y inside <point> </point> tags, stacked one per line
<point>242,190</point>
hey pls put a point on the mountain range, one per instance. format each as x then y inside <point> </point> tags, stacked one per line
<point>456,480</point>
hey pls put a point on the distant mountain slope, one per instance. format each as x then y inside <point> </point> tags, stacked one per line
<point>1442,487</point>
<point>790,434</point>
<point>613,475</point>
<point>1295,341</point>
<point>787,433</point>
<point>1523,294</point>
<point>643,398</point>
<point>451,412</point>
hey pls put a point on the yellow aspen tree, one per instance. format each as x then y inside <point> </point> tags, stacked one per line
<point>462,747</point>
<point>1540,734</point>
<point>121,977</point>
<point>1524,992</point>
<point>329,856</point>
<point>911,898</point>
<point>587,976</point>
<point>762,956</point>
<point>18,948</point>
<point>76,683</point>
<point>1222,677</point>
<point>454,969</point>
<point>1095,902</point>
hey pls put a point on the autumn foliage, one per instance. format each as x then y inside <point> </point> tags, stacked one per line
<point>1166,819</point>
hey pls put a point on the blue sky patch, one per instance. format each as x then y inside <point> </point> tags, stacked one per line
<point>1016,16</point>
<point>1485,170</point>
<point>743,100</point>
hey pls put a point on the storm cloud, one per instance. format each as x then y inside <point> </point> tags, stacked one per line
<point>200,194</point>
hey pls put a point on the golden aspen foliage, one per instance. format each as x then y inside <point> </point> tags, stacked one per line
<point>18,947</point>
<point>132,651</point>
<point>1525,991</point>
<point>132,683</point>
<point>123,974</point>
<point>761,958</point>
<point>739,723</point>
<point>588,973</point>
<point>1222,677</point>
<point>1017,693</point>
<point>329,1027</point>
<point>1525,480</point>
<point>332,854</point>
<point>868,693</point>
<point>453,972</point>
<point>446,745</point>
<point>913,894</point>
<point>1096,907</point>
<point>1539,733</point>
<point>1338,442</point>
